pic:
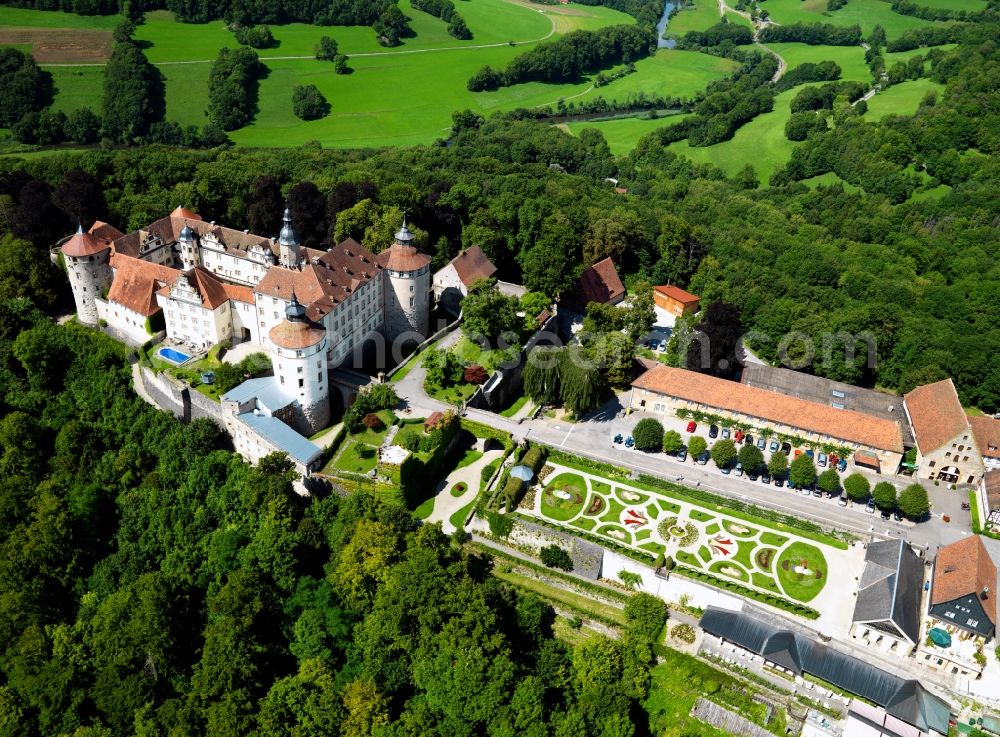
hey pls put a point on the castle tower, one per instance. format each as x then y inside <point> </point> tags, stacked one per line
<point>187,242</point>
<point>299,361</point>
<point>288,242</point>
<point>87,265</point>
<point>407,306</point>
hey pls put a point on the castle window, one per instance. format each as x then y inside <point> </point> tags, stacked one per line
<point>302,382</point>
<point>319,377</point>
<point>411,301</point>
<point>282,379</point>
<point>299,370</point>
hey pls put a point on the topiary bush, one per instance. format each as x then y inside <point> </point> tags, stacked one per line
<point>648,435</point>
<point>683,633</point>
<point>555,557</point>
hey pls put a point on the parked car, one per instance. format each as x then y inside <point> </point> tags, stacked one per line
<point>833,460</point>
<point>870,506</point>
<point>726,470</point>
<point>842,501</point>
<point>804,491</point>
<point>810,453</point>
<point>713,431</point>
<point>752,474</point>
<point>821,460</point>
<point>739,468</point>
<point>886,515</point>
<point>786,448</point>
<point>765,476</point>
<point>738,437</point>
<point>842,465</point>
<point>897,516</point>
<point>748,440</point>
<point>818,493</point>
<point>761,443</point>
<point>682,454</point>
<point>619,439</point>
<point>725,433</point>
<point>798,452</point>
<point>692,426</point>
<point>773,447</point>
<point>662,346</point>
<point>703,458</point>
<point>779,481</point>
<point>629,442</point>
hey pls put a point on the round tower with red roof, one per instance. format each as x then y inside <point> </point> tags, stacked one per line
<point>407,307</point>
<point>299,361</point>
<point>88,267</point>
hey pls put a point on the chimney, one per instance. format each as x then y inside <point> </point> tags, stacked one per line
<point>985,594</point>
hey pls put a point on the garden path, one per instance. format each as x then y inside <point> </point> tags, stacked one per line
<point>445,504</point>
<point>704,538</point>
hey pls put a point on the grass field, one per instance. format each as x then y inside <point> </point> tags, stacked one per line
<point>701,15</point>
<point>802,571</point>
<point>622,135</point>
<point>24,18</point>
<point>851,59</point>
<point>901,99</point>
<point>865,13</point>
<point>78,87</point>
<point>967,5</point>
<point>761,143</point>
<point>904,56</point>
<point>827,180</point>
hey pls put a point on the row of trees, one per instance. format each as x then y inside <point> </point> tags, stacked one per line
<point>133,92</point>
<point>232,88</point>
<point>24,88</point>
<point>445,10</point>
<point>569,57</point>
<point>815,34</point>
<point>824,71</point>
<point>733,34</point>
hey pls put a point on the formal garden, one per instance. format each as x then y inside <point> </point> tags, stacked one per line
<point>782,562</point>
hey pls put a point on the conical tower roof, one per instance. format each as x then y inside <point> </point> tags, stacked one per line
<point>83,244</point>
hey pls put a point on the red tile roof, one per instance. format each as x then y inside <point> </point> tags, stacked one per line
<point>325,281</point>
<point>991,480</point>
<point>598,283</point>
<point>813,417</point>
<point>669,290</point>
<point>81,245</point>
<point>935,414</point>
<point>136,283</point>
<point>472,265</point>
<point>296,335</point>
<point>986,431</point>
<point>965,568</point>
<point>104,231</point>
<point>183,212</point>
<point>399,257</point>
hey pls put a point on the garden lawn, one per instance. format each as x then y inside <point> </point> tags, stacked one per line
<point>803,587</point>
<point>375,437</point>
<point>562,510</point>
<point>470,457</point>
<point>562,629</point>
<point>701,15</point>
<point>850,59</point>
<point>514,408</point>
<point>623,134</point>
<point>865,13</point>
<point>348,459</point>
<point>457,518</point>
<point>901,99</point>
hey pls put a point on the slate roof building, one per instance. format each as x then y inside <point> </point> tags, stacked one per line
<point>887,608</point>
<point>904,699</point>
<point>451,284</point>
<point>664,390</point>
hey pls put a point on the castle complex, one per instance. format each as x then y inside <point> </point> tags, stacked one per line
<point>206,284</point>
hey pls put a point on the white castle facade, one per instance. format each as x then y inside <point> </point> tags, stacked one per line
<point>206,284</point>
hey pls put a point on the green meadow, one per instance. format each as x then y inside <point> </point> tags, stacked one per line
<point>851,59</point>
<point>970,6</point>
<point>865,13</point>
<point>623,134</point>
<point>761,143</point>
<point>901,99</point>
<point>78,87</point>
<point>904,56</point>
<point>24,18</point>
<point>700,15</point>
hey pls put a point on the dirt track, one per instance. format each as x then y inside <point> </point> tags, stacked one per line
<point>60,45</point>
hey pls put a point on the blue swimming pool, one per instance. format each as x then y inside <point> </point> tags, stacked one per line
<point>173,355</point>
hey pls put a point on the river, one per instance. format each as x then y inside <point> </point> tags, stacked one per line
<point>661,27</point>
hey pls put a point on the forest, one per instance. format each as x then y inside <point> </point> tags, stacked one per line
<point>153,583</point>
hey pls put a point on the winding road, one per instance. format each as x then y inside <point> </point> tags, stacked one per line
<point>782,64</point>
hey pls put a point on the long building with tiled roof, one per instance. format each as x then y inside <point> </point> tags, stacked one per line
<point>872,441</point>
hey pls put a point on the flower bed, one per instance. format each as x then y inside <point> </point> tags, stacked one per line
<point>460,488</point>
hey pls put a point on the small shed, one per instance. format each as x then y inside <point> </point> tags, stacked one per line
<point>675,300</point>
<point>431,422</point>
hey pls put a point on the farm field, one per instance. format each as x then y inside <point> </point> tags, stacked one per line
<point>904,56</point>
<point>23,17</point>
<point>78,87</point>
<point>622,135</point>
<point>851,59</point>
<point>901,99</point>
<point>761,143</point>
<point>865,13</point>
<point>971,6</point>
<point>701,15</point>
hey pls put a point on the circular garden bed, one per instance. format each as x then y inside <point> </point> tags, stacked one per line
<point>730,570</point>
<point>801,570</point>
<point>460,488</point>
<point>685,533</point>
<point>763,557</point>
